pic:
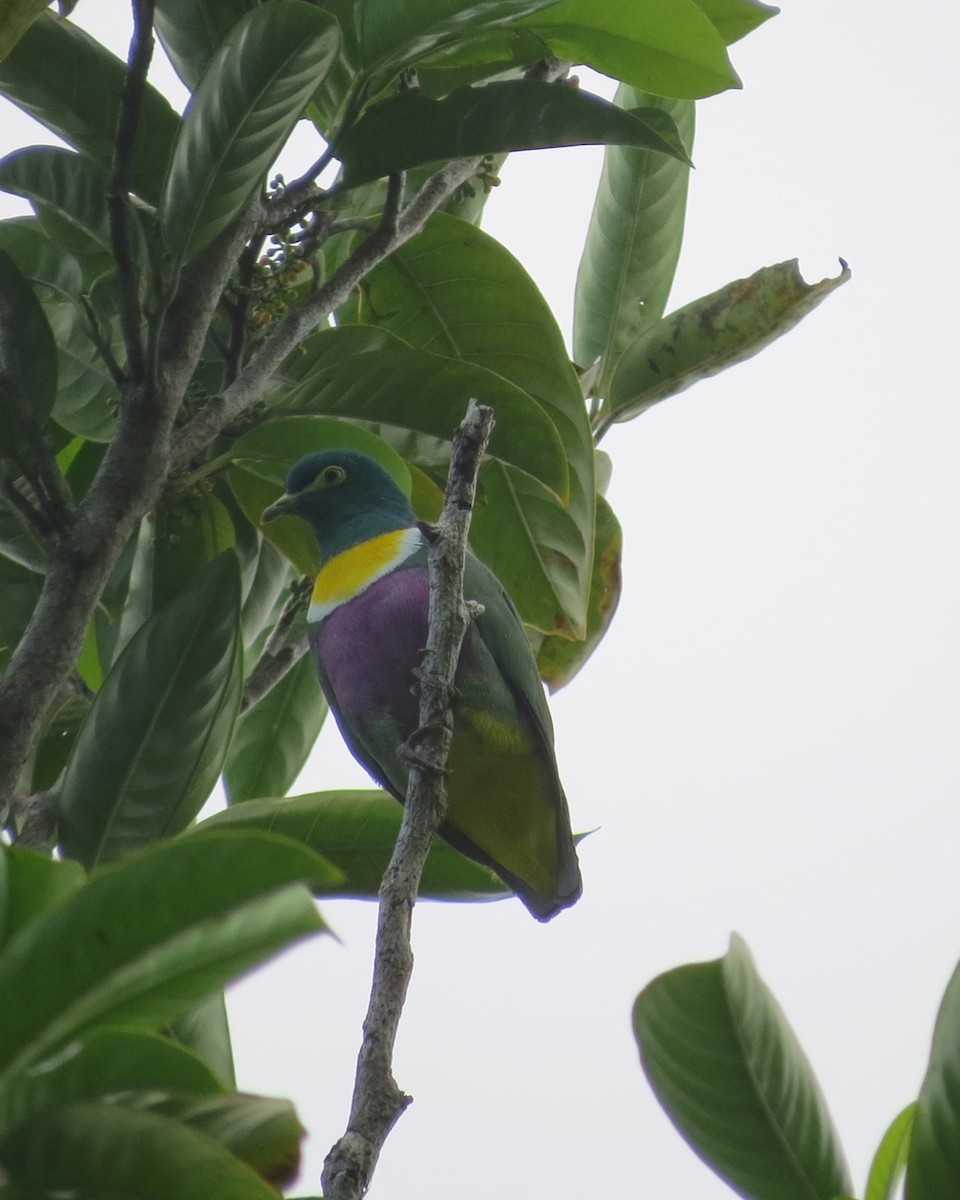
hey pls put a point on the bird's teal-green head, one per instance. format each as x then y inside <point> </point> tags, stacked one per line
<point>345,497</point>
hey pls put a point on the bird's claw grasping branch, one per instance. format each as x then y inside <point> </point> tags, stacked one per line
<point>377,1101</point>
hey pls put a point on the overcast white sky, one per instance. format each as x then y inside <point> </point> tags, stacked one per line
<point>767,738</point>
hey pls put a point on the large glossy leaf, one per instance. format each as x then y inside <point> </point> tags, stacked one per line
<point>734,19</point>
<point>667,47</point>
<point>16,17</point>
<point>30,883</point>
<point>189,533</point>
<point>156,735</point>
<point>218,904</point>
<point>410,130</point>
<point>455,291</point>
<point>192,33</point>
<point>251,95</point>
<point>273,740</point>
<point>41,260</point>
<point>28,361</point>
<point>560,659</point>
<point>732,1077</point>
<point>105,1061</point>
<point>367,373</point>
<point>205,1029</point>
<point>73,85</point>
<point>21,590</point>
<point>86,403</point>
<point>90,1149</point>
<point>67,186</point>
<point>711,334</point>
<point>357,830</point>
<point>633,243</point>
<point>890,1160</point>
<point>933,1165</point>
<point>260,1131</point>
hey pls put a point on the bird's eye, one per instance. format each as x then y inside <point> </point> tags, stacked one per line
<point>333,475</point>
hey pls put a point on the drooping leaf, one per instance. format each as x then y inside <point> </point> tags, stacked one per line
<point>16,17</point>
<point>188,535</point>
<point>734,19</point>
<point>455,291</point>
<point>711,334</point>
<point>666,47</point>
<point>192,33</point>
<point>92,1149</point>
<point>30,883</point>
<point>890,1160</point>
<point>102,1062</point>
<point>74,86</point>
<point>28,361</point>
<point>69,186</point>
<point>632,244</point>
<point>410,130</point>
<point>262,1132</point>
<point>356,831</point>
<point>366,373</point>
<point>252,93</point>
<point>86,403</point>
<point>733,1079</point>
<point>560,659</point>
<point>273,740</point>
<point>219,903</point>
<point>41,260</point>
<point>156,735</point>
<point>205,1030</point>
<point>933,1163</point>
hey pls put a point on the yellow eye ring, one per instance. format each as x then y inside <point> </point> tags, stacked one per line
<point>332,476</point>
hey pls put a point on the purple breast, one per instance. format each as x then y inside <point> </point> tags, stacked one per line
<point>369,647</point>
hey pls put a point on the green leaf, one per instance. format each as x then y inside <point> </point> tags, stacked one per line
<point>560,659</point>
<point>189,533</point>
<point>262,1132</point>
<point>74,86</point>
<point>28,361</point>
<point>268,585</point>
<point>42,261</point>
<point>455,291</point>
<point>155,738</point>
<point>410,130</point>
<point>192,33</point>
<point>251,96</point>
<point>356,831</point>
<point>366,373</point>
<point>274,739</point>
<point>732,1077</point>
<point>96,1149</point>
<point>711,334</point>
<point>16,17</point>
<point>393,35</point>
<point>20,588</point>
<point>890,1160</point>
<point>205,1030</point>
<point>933,1164</point>
<point>266,454</point>
<point>105,1061</point>
<point>667,47</point>
<point>734,19</point>
<point>632,244</point>
<point>70,186</point>
<point>87,396</point>
<point>31,883</point>
<point>219,903</point>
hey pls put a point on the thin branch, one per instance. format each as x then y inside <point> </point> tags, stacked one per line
<point>283,650</point>
<point>377,1100</point>
<point>118,198</point>
<point>290,330</point>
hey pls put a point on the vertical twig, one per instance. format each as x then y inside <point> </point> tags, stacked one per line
<point>377,1100</point>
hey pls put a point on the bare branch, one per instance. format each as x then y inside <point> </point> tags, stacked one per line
<point>118,198</point>
<point>377,1100</point>
<point>248,387</point>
